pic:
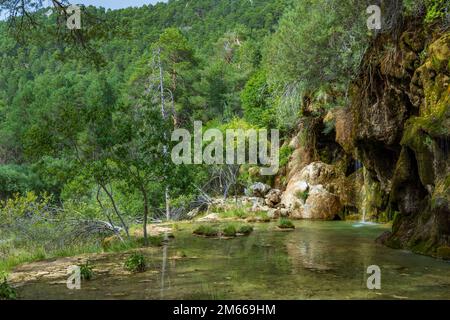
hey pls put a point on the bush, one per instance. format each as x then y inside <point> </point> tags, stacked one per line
<point>303,195</point>
<point>6,291</point>
<point>245,229</point>
<point>285,154</point>
<point>205,230</point>
<point>284,223</point>
<point>86,271</point>
<point>229,231</point>
<point>17,179</point>
<point>136,263</point>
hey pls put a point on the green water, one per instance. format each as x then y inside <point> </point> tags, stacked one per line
<point>319,260</point>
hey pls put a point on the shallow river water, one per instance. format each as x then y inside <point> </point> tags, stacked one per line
<point>318,260</point>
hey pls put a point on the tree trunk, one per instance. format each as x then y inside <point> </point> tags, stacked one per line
<point>144,194</point>
<point>116,210</point>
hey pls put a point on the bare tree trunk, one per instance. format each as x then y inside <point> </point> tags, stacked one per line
<point>144,193</point>
<point>164,115</point>
<point>107,215</point>
<point>116,210</point>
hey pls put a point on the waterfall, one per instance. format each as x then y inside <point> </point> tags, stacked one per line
<point>364,195</point>
<point>358,165</point>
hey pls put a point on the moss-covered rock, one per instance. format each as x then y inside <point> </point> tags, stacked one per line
<point>443,252</point>
<point>400,130</point>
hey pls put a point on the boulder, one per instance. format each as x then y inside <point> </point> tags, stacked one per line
<point>320,205</point>
<point>212,217</point>
<point>273,198</point>
<point>259,189</point>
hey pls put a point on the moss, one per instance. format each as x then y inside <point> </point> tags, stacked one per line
<point>443,252</point>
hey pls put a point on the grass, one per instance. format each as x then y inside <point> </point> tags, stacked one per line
<point>259,216</point>
<point>245,229</point>
<point>206,230</point>
<point>229,231</point>
<point>136,263</point>
<point>20,256</point>
<point>234,213</point>
<point>86,271</point>
<point>284,223</point>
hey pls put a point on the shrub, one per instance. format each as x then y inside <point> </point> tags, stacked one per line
<point>284,223</point>
<point>205,230</point>
<point>229,231</point>
<point>6,291</point>
<point>303,195</point>
<point>245,229</point>
<point>136,263</point>
<point>86,271</point>
<point>285,154</point>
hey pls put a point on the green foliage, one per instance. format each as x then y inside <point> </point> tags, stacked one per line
<point>285,154</point>
<point>245,229</point>
<point>239,213</point>
<point>17,179</point>
<point>6,291</point>
<point>436,9</point>
<point>284,223</point>
<point>206,230</point>
<point>303,195</point>
<point>255,101</point>
<point>317,46</point>
<point>86,271</point>
<point>136,263</point>
<point>229,231</point>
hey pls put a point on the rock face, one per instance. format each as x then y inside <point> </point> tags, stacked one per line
<point>398,125</point>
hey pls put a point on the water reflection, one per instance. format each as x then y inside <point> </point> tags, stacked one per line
<point>318,260</point>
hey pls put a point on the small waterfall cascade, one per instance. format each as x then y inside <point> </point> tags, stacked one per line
<point>364,190</point>
<point>364,196</point>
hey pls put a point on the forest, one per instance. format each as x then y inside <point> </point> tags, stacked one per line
<point>86,122</point>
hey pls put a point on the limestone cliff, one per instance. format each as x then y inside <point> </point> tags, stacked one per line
<point>387,155</point>
<point>398,125</point>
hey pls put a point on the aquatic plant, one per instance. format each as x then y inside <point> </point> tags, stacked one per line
<point>86,271</point>
<point>206,230</point>
<point>6,291</point>
<point>136,263</point>
<point>284,223</point>
<point>229,231</point>
<point>245,229</point>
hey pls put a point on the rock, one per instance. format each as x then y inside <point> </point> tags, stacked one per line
<point>320,205</point>
<point>280,212</point>
<point>318,173</point>
<point>212,217</point>
<point>193,213</point>
<point>273,198</point>
<point>383,237</point>
<point>260,189</point>
<point>443,252</point>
